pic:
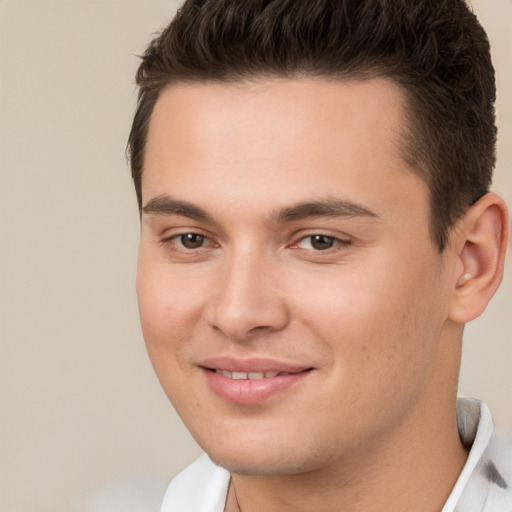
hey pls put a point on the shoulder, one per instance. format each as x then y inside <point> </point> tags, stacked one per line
<point>200,487</point>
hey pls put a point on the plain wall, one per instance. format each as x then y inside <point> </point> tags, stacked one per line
<point>80,407</point>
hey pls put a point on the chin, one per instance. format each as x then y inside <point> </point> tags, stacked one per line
<point>251,467</point>
<point>262,460</point>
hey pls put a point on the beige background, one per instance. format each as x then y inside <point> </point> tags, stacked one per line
<point>80,409</point>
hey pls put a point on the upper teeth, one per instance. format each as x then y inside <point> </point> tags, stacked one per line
<point>247,375</point>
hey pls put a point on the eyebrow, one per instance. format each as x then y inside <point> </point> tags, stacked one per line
<point>327,208</point>
<point>166,205</point>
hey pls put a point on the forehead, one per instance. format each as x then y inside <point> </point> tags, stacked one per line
<point>277,140</point>
<point>277,111</point>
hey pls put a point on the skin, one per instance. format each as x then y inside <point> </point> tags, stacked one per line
<point>375,316</point>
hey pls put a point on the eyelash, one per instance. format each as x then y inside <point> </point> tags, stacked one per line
<point>178,239</point>
<point>335,243</point>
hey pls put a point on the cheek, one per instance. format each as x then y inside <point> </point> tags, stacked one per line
<point>375,324</point>
<point>167,301</point>
<point>169,309</point>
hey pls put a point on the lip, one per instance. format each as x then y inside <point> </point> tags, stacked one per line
<point>251,391</point>
<point>251,365</point>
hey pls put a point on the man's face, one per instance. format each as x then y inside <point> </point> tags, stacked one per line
<point>291,298</point>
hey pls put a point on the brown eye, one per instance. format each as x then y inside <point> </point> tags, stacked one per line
<point>321,242</point>
<point>192,240</point>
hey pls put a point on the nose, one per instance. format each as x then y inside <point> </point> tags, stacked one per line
<point>249,299</point>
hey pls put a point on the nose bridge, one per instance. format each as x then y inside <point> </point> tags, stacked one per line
<point>248,297</point>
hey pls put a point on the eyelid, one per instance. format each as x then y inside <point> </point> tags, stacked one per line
<point>339,239</point>
<point>172,237</point>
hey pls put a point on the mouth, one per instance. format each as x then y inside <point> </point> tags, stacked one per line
<point>251,382</point>
<point>248,375</point>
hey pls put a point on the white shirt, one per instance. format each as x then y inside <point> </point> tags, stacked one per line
<point>484,484</point>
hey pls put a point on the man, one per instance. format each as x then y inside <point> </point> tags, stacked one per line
<point>313,179</point>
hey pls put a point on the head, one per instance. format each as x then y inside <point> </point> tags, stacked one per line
<point>306,172</point>
<point>437,53</point>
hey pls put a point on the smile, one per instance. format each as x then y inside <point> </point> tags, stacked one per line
<point>247,375</point>
<point>253,382</point>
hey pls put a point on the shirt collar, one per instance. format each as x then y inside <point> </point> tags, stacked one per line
<point>476,427</point>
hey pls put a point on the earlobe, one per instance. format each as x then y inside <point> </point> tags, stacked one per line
<point>481,243</point>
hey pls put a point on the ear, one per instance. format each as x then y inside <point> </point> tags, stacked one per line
<point>480,241</point>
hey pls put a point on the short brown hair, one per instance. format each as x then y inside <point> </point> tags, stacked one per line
<point>436,50</point>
